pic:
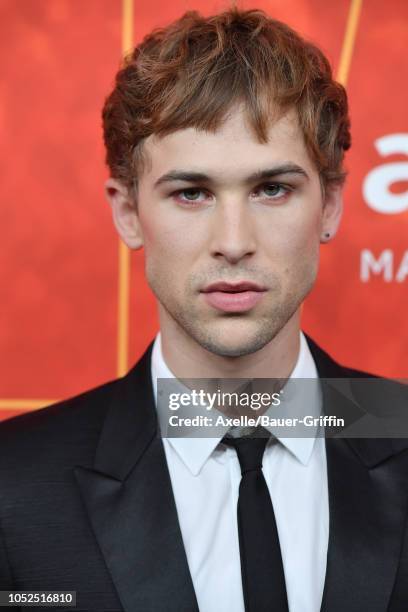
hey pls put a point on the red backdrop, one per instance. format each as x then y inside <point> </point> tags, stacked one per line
<point>59,265</point>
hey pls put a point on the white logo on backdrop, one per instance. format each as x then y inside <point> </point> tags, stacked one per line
<point>383,265</point>
<point>376,186</point>
<point>379,197</point>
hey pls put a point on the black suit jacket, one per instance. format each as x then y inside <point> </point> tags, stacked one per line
<point>86,504</point>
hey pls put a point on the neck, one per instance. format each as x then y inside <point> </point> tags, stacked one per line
<point>187,359</point>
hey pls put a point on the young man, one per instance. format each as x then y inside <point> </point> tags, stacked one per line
<point>225,140</point>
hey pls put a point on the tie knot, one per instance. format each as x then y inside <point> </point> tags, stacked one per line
<point>249,450</point>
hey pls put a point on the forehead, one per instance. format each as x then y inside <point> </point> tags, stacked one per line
<point>231,150</point>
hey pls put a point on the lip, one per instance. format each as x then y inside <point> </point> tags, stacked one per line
<point>233,287</point>
<point>233,297</point>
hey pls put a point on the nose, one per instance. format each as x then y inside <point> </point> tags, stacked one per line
<point>233,236</point>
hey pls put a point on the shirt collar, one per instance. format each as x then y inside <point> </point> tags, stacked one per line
<point>194,452</point>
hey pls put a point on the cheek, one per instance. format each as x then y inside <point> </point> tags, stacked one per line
<point>175,245</point>
<point>294,239</point>
<point>170,249</point>
<point>306,249</point>
<point>170,230</point>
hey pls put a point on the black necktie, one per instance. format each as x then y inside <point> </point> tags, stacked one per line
<point>263,580</point>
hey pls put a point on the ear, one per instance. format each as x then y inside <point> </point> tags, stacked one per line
<point>124,211</point>
<point>332,212</point>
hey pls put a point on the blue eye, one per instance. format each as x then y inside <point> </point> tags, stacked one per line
<point>274,189</point>
<point>191,194</point>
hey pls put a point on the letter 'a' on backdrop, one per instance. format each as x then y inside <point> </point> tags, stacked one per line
<point>76,310</point>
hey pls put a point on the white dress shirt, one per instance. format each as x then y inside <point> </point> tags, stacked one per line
<point>205,477</point>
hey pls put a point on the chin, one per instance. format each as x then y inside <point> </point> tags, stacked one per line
<point>235,341</point>
<point>233,351</point>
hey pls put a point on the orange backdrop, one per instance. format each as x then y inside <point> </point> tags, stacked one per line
<point>75,308</point>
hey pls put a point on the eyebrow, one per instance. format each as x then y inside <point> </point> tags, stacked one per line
<point>200,177</point>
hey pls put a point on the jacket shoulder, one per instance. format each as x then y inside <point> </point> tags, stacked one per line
<point>63,433</point>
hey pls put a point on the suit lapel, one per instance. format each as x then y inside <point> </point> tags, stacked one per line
<point>367,506</point>
<point>129,500</point>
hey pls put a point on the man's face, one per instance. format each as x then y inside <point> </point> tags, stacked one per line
<point>231,230</point>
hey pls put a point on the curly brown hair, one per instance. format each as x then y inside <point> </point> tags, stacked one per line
<point>190,74</point>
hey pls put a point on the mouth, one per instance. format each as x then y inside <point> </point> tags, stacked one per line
<point>233,297</point>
